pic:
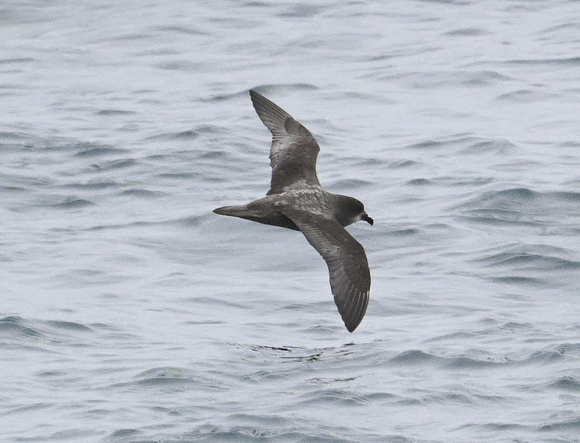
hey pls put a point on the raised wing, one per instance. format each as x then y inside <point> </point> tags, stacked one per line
<point>350,279</point>
<point>294,151</point>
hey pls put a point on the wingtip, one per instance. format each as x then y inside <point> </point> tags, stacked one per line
<point>351,326</point>
<point>353,315</point>
<point>255,94</point>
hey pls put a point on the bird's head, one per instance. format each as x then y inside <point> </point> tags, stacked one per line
<point>349,210</point>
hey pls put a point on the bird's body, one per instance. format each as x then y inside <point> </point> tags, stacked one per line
<point>297,201</point>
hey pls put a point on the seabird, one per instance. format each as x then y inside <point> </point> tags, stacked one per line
<point>297,201</point>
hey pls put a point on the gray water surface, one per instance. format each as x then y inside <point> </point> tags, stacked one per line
<point>130,313</point>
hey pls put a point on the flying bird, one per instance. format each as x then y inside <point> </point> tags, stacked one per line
<point>297,201</point>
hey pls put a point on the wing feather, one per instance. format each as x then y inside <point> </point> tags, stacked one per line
<point>294,150</point>
<point>350,279</point>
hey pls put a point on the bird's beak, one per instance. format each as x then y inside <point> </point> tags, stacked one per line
<point>366,218</point>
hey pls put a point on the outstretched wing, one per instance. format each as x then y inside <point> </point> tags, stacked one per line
<point>294,150</point>
<point>350,279</point>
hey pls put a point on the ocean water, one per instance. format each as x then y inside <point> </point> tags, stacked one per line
<point>129,312</point>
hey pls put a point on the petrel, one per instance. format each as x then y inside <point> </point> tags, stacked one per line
<point>297,201</point>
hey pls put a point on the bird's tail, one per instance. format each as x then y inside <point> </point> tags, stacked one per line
<point>233,211</point>
<point>260,212</point>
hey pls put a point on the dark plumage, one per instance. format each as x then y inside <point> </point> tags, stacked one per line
<point>297,201</point>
